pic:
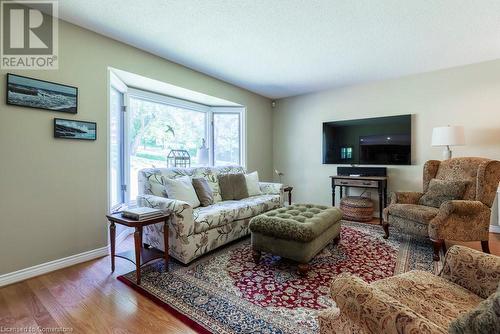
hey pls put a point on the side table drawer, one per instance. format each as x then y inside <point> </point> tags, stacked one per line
<point>356,183</point>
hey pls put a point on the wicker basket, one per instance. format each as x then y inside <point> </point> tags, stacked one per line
<point>355,208</point>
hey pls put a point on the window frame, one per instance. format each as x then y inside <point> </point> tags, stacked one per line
<point>240,111</point>
<point>116,84</point>
<point>184,104</point>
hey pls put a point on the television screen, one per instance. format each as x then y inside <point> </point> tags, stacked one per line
<point>370,141</point>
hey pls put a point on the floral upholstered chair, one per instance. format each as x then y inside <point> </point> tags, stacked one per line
<point>465,217</point>
<point>463,298</point>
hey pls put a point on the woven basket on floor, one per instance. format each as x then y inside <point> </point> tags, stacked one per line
<point>358,209</point>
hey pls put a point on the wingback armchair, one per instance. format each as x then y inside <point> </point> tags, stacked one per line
<point>461,299</point>
<point>467,219</point>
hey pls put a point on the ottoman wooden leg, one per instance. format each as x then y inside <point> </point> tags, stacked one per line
<point>256,255</point>
<point>303,268</point>
<point>336,240</point>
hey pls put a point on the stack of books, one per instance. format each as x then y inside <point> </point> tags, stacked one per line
<point>141,213</point>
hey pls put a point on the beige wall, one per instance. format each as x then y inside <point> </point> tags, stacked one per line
<point>53,193</point>
<point>468,96</point>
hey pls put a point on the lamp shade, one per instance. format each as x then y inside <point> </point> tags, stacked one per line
<point>448,136</point>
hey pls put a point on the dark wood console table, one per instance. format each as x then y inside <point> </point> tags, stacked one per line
<point>140,255</point>
<point>374,182</point>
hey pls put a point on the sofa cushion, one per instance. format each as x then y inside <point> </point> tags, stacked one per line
<point>151,180</point>
<point>431,296</point>
<point>203,191</point>
<point>483,319</point>
<point>417,213</point>
<point>233,186</point>
<point>253,185</point>
<point>182,189</point>
<point>441,191</point>
<point>221,213</point>
<point>211,173</point>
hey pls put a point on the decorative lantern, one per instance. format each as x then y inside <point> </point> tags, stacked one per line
<point>178,158</point>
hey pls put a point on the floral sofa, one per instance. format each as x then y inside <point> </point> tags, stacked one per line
<point>463,298</point>
<point>196,231</point>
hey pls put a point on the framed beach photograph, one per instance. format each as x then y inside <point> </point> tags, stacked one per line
<point>34,93</point>
<point>74,129</point>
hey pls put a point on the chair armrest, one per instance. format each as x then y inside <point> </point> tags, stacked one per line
<point>374,311</point>
<point>405,197</point>
<point>462,207</point>
<point>270,188</point>
<point>461,220</point>
<point>473,270</point>
<point>182,222</point>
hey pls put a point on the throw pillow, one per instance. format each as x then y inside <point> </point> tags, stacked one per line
<point>203,191</point>
<point>240,189</point>
<point>483,319</point>
<point>182,189</point>
<point>441,191</point>
<point>233,186</point>
<point>253,186</point>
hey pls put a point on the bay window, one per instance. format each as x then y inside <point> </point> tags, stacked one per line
<point>154,125</point>
<point>226,138</point>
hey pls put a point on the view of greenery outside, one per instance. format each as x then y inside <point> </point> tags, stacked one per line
<point>226,139</point>
<point>155,129</point>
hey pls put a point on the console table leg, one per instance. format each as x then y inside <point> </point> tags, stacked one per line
<point>385,196</point>
<point>380,204</point>
<point>333,195</point>
<point>138,245</point>
<point>112,237</point>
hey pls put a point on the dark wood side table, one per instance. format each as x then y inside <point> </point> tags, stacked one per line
<point>140,255</point>
<point>288,189</point>
<point>374,182</point>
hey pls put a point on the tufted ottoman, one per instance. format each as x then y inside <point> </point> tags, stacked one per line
<point>297,232</point>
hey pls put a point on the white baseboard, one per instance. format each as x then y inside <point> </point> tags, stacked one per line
<point>44,268</point>
<point>494,229</point>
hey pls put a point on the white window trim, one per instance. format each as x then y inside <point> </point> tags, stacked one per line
<point>176,102</point>
<point>114,83</point>
<point>242,115</point>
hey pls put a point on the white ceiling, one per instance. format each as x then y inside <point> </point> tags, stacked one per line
<point>280,48</point>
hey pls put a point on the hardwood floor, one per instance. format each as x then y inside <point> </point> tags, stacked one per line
<point>88,298</point>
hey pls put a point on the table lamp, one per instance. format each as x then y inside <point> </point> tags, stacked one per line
<point>448,136</point>
<point>280,174</point>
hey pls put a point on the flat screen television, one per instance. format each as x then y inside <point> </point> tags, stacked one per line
<point>369,141</point>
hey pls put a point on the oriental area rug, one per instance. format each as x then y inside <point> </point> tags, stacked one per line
<point>226,292</point>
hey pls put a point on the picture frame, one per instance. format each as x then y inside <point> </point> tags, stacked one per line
<point>40,94</point>
<point>75,129</point>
